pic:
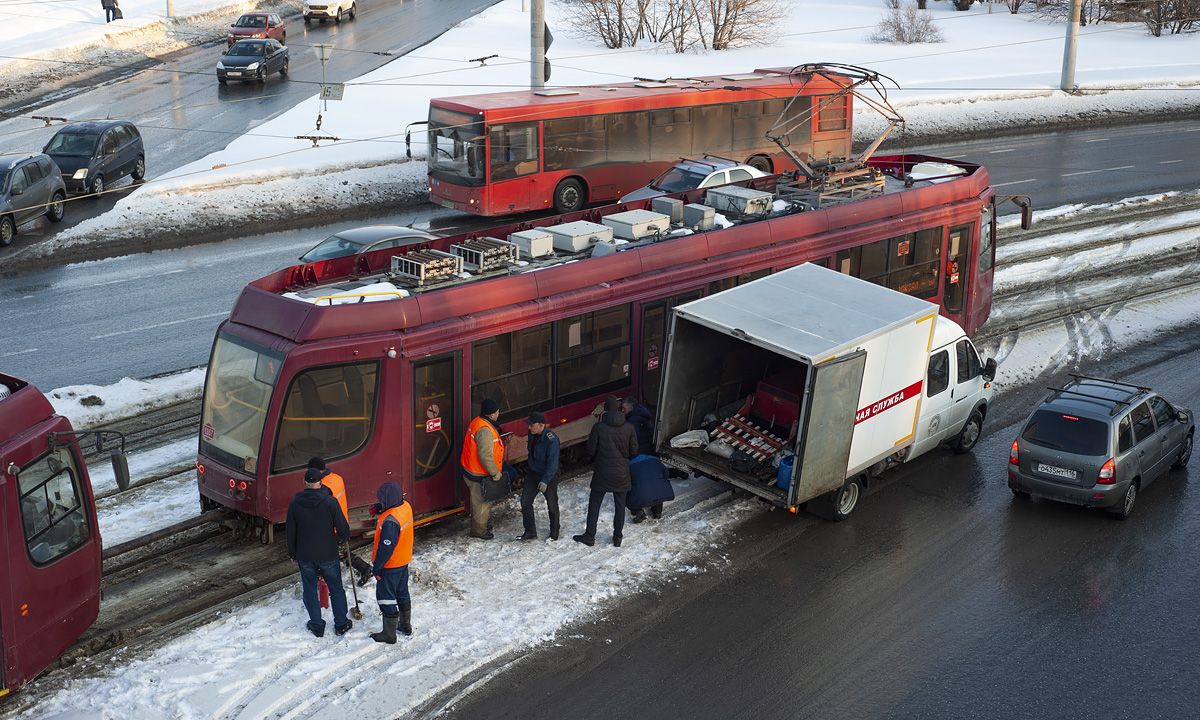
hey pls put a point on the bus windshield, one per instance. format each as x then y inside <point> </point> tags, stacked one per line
<point>456,147</point>
<point>241,378</point>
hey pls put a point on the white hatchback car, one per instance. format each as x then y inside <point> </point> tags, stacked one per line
<point>329,10</point>
<point>692,174</point>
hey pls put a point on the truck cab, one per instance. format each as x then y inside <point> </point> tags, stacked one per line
<point>957,392</point>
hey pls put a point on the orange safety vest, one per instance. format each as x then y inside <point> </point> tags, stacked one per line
<point>470,453</point>
<point>402,555</point>
<point>337,486</point>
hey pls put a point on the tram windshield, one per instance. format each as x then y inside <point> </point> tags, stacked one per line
<point>241,378</point>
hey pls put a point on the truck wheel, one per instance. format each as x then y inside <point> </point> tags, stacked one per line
<point>968,437</point>
<point>839,504</point>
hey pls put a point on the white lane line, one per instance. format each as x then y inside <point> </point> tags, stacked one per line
<point>1089,172</point>
<point>997,152</point>
<point>1015,182</point>
<point>135,277</point>
<point>159,325</point>
<point>18,352</point>
<point>1168,162</point>
<point>1097,140</point>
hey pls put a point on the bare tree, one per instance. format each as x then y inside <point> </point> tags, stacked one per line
<point>613,22</point>
<point>1091,11</point>
<point>1014,5</point>
<point>906,25</point>
<point>725,24</point>
<point>682,24</point>
<point>1159,16</point>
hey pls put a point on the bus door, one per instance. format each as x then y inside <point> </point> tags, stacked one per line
<point>435,432</point>
<point>513,167</point>
<point>958,272</point>
<point>655,317</point>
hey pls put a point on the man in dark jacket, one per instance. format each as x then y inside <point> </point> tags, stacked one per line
<point>650,487</point>
<point>315,526</point>
<point>643,424</point>
<point>612,444</point>
<point>543,475</point>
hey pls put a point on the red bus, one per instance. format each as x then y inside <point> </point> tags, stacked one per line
<point>379,370</point>
<point>564,148</point>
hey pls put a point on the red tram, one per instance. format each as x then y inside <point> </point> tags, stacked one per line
<point>380,370</point>
<point>51,567</point>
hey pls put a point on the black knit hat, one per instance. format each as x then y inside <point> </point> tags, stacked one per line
<point>317,463</point>
<point>488,406</point>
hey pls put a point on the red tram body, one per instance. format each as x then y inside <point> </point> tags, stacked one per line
<point>51,569</point>
<point>381,380</point>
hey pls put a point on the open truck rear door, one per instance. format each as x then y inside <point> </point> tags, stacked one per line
<point>823,451</point>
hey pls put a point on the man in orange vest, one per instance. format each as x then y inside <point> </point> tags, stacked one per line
<point>337,488</point>
<point>483,458</point>
<point>390,558</point>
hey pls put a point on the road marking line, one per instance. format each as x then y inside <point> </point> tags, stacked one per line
<point>1015,182</point>
<point>1097,140</point>
<point>159,325</point>
<point>1089,172</point>
<point>997,152</point>
<point>19,352</point>
<point>1168,162</point>
<point>136,277</point>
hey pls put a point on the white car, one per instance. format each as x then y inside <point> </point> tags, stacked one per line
<point>330,10</point>
<point>692,174</point>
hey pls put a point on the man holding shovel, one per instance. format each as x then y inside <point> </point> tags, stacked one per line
<point>390,557</point>
<point>315,524</point>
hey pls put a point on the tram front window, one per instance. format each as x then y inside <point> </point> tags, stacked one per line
<point>51,513</point>
<point>241,378</point>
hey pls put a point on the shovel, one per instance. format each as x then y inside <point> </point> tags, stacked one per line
<point>356,613</point>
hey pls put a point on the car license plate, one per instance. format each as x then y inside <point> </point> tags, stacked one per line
<point>234,74</point>
<point>1060,472</point>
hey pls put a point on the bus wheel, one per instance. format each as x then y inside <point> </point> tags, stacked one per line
<point>568,196</point>
<point>758,162</point>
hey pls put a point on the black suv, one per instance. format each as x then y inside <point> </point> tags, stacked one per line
<point>1098,443</point>
<point>93,155</point>
<point>30,187</point>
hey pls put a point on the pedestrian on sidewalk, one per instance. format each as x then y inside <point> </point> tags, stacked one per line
<point>482,460</point>
<point>542,477</point>
<point>315,529</point>
<point>650,487</point>
<point>111,11</point>
<point>612,444</point>
<point>390,558</point>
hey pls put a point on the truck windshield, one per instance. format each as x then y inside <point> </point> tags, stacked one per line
<point>456,147</point>
<point>241,378</point>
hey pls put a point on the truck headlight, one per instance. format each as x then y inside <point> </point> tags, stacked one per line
<point>80,174</point>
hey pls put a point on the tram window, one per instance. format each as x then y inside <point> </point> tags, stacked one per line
<point>51,512</point>
<point>328,411</point>
<point>514,370</point>
<point>939,373</point>
<point>593,353</point>
<point>906,263</point>
<point>593,374</point>
<point>986,247</point>
<point>593,331</point>
<point>718,285</point>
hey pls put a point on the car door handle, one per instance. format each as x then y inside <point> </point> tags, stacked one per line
<point>1142,454</point>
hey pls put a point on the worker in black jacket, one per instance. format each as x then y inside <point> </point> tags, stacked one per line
<point>315,528</point>
<point>612,444</point>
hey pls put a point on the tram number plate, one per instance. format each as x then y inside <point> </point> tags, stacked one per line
<point>1060,472</point>
<point>209,432</point>
<point>433,425</point>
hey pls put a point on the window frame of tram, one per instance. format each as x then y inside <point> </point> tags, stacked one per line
<point>444,388</point>
<point>329,414</point>
<point>655,317</point>
<point>61,465</point>
<point>901,263</point>
<point>957,266</point>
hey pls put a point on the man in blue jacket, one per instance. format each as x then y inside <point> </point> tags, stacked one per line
<point>650,486</point>
<point>542,477</point>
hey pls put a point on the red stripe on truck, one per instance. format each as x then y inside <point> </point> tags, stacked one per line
<point>890,401</point>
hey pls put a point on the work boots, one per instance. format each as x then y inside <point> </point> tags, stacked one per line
<point>388,634</point>
<point>406,619</point>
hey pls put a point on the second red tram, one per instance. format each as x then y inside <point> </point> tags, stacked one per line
<point>379,370</point>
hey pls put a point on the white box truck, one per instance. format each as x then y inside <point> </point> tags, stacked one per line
<point>810,382</point>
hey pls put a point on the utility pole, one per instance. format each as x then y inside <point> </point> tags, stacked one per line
<point>171,9</point>
<point>1068,73</point>
<point>537,45</point>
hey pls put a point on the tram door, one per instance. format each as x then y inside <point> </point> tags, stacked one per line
<point>958,272</point>
<point>435,432</point>
<point>655,317</point>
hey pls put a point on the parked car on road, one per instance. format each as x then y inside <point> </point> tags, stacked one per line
<point>692,174</point>
<point>257,26</point>
<point>329,10</point>
<point>1099,443</point>
<point>93,155</point>
<point>359,240</point>
<point>252,60</point>
<point>30,186</point>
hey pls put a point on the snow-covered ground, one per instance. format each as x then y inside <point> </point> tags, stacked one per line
<point>260,661</point>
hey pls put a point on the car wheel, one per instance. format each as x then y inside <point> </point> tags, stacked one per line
<point>262,76</point>
<point>338,18</point>
<point>98,185</point>
<point>839,504</point>
<point>1125,509</point>
<point>284,68</point>
<point>57,208</point>
<point>353,10</point>
<point>283,39</point>
<point>139,170</point>
<point>568,196</point>
<point>760,163</point>
<point>1185,454</point>
<point>969,435</point>
<point>7,231</point>
<point>308,19</point>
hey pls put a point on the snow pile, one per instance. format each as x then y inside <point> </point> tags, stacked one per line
<point>89,406</point>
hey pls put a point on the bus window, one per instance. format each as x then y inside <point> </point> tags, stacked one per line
<point>574,143</point>
<point>456,147</point>
<point>514,370</point>
<point>753,120</point>
<point>329,411</point>
<point>711,125</point>
<point>514,150</point>
<point>671,133</point>
<point>628,137</point>
<point>833,116</point>
<point>593,353</point>
<point>51,513</point>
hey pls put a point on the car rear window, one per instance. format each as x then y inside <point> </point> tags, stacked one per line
<point>1069,433</point>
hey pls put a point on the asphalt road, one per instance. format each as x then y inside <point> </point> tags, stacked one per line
<point>944,596</point>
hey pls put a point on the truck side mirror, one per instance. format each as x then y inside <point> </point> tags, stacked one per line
<point>989,369</point>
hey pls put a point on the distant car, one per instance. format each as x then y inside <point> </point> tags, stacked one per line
<point>30,186</point>
<point>356,241</point>
<point>1099,443</point>
<point>257,26</point>
<point>93,155</point>
<point>692,174</point>
<point>252,60</point>
<point>330,10</point>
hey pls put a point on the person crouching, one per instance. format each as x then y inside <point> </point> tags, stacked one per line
<point>390,558</point>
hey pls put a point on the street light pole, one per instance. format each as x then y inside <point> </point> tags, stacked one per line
<point>537,45</point>
<point>1067,84</point>
<point>171,9</point>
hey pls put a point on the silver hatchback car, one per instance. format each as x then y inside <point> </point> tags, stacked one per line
<point>1098,443</point>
